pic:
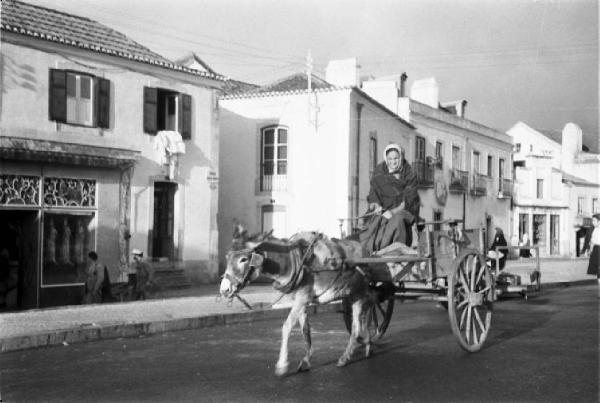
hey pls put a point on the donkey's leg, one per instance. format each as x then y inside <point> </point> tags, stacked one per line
<point>357,307</point>
<point>305,328</point>
<point>364,321</point>
<point>282,364</point>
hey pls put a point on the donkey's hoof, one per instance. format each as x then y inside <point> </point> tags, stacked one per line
<point>343,361</point>
<point>303,366</point>
<point>368,352</point>
<point>281,370</point>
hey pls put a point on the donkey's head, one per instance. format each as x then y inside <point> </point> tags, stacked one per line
<point>243,263</point>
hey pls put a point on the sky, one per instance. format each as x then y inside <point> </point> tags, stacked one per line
<point>534,61</point>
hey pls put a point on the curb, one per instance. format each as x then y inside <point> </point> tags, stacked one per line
<point>92,332</point>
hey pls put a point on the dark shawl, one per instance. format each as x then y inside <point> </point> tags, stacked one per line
<point>389,192</point>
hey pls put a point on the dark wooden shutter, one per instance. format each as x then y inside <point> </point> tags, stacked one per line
<point>150,110</point>
<point>57,95</point>
<point>185,117</point>
<point>103,102</point>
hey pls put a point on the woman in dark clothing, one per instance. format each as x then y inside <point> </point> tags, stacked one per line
<point>499,240</point>
<point>594,264</point>
<point>393,200</point>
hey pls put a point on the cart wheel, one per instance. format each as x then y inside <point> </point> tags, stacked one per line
<point>470,295</point>
<point>378,317</point>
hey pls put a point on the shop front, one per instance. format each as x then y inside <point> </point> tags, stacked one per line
<point>52,214</point>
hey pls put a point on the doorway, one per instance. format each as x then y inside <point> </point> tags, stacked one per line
<point>19,245</point>
<point>163,244</point>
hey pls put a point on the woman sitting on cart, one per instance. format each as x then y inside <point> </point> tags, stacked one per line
<point>393,202</point>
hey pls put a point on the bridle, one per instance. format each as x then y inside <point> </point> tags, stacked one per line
<point>239,282</point>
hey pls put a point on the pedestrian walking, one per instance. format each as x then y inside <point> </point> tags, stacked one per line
<point>141,278</point>
<point>594,263</point>
<point>94,280</point>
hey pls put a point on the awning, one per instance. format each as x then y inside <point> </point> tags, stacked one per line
<point>34,150</point>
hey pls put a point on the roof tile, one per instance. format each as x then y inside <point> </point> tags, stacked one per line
<point>52,25</point>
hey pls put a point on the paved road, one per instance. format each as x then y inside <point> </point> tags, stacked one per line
<point>545,349</point>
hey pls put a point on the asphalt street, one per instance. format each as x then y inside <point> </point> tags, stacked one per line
<point>544,349</point>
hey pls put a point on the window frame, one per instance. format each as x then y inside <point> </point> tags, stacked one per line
<point>276,175</point>
<point>420,148</point>
<point>457,152</point>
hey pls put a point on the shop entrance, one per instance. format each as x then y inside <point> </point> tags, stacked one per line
<point>19,245</point>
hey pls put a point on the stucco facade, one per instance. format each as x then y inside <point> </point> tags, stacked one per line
<point>453,181</point>
<point>121,162</point>
<point>557,189</point>
<point>327,179</point>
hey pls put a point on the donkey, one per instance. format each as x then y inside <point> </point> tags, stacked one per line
<point>311,268</point>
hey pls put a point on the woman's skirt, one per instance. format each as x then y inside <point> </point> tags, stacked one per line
<point>594,261</point>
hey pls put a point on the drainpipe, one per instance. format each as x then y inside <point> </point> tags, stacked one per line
<point>356,191</point>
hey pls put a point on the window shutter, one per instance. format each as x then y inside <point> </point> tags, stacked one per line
<point>57,96</point>
<point>150,110</point>
<point>185,118</point>
<point>103,102</point>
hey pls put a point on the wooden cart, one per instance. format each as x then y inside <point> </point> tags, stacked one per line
<point>454,274</point>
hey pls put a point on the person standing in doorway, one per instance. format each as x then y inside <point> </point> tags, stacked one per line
<point>142,276</point>
<point>594,263</point>
<point>499,240</point>
<point>94,280</point>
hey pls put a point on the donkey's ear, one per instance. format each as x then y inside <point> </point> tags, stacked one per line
<point>252,244</point>
<point>239,232</point>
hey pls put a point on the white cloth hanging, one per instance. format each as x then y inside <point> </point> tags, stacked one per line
<point>168,143</point>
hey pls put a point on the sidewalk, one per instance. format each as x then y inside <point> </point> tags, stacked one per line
<point>198,307</point>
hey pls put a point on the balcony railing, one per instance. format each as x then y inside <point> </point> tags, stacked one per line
<point>269,180</point>
<point>424,171</point>
<point>459,181</point>
<point>479,185</point>
<point>505,188</point>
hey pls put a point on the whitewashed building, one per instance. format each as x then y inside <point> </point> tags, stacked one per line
<point>294,159</point>
<point>464,167</point>
<point>104,145</point>
<point>557,188</point>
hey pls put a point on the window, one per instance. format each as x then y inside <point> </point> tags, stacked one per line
<point>439,154</point>
<point>78,99</point>
<point>420,149</point>
<point>539,229</point>
<point>372,153</point>
<point>580,203</point>
<point>274,218</point>
<point>500,168</point>
<point>167,110</point>
<point>274,158</point>
<point>540,189</point>
<point>490,162</point>
<point>595,207</point>
<point>518,147</point>
<point>456,159</point>
<point>438,215</point>
<point>476,162</point>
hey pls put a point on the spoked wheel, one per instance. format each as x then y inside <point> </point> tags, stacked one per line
<point>378,316</point>
<point>470,296</point>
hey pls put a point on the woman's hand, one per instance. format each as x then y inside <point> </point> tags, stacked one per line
<point>375,208</point>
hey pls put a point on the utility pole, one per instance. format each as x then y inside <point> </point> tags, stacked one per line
<point>309,68</point>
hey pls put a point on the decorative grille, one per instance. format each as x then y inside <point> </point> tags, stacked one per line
<point>70,192</point>
<point>19,189</point>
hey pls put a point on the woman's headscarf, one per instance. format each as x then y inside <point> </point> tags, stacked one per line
<point>392,146</point>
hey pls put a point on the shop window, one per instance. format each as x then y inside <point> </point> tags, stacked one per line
<point>68,238</point>
<point>79,98</point>
<point>167,110</point>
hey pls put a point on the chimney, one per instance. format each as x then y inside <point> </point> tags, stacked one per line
<point>403,78</point>
<point>426,91</point>
<point>455,107</point>
<point>343,73</point>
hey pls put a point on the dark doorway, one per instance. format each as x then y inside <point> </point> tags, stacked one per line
<point>164,211</point>
<point>19,236</point>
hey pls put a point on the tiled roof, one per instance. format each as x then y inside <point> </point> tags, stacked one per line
<point>232,87</point>
<point>294,82</point>
<point>80,32</point>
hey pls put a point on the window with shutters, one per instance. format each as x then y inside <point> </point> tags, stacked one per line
<point>79,98</point>
<point>274,158</point>
<point>167,110</point>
